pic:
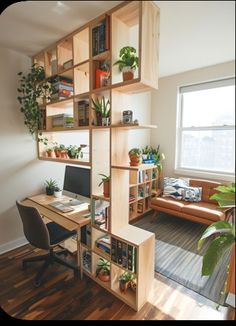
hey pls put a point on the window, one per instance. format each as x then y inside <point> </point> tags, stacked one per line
<point>206,128</point>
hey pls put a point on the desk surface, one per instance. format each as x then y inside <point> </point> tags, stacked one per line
<point>71,220</point>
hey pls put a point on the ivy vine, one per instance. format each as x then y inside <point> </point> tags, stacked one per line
<point>32,88</point>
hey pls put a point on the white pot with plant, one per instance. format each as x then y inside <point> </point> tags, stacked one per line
<point>57,192</point>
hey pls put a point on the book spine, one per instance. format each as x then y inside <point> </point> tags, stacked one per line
<point>101,35</point>
<point>114,250</point>
<point>130,257</point>
<point>95,40</point>
<point>124,255</point>
<point>107,32</point>
<point>119,252</point>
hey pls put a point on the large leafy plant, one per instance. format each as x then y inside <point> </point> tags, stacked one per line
<point>223,232</point>
<point>32,88</point>
<point>128,58</point>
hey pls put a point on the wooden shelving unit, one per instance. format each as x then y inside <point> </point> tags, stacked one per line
<point>74,61</point>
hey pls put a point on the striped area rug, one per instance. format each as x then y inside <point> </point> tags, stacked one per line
<point>177,258</point>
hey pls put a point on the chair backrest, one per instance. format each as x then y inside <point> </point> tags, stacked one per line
<point>35,230</point>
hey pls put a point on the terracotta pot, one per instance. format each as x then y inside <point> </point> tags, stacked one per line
<point>103,277</point>
<point>128,75</point>
<point>64,154</point>
<point>134,160</point>
<point>106,189</point>
<point>124,286</point>
<point>57,153</point>
<point>51,154</point>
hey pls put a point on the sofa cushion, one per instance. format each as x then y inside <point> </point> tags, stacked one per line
<point>208,188</point>
<point>204,210</point>
<point>174,187</point>
<point>193,194</point>
<point>168,203</point>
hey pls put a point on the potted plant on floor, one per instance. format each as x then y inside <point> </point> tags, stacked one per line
<point>106,185</point>
<point>50,186</point>
<point>103,270</point>
<point>135,156</point>
<point>128,62</point>
<point>125,281</point>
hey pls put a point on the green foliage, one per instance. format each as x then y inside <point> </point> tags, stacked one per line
<point>135,152</point>
<point>226,196</point>
<point>102,107</point>
<point>223,232</point>
<point>126,277</point>
<point>105,178</point>
<point>75,151</point>
<point>104,266</point>
<point>128,58</point>
<point>51,184</point>
<point>30,90</point>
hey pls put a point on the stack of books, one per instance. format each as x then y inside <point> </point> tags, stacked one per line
<point>131,198</point>
<point>63,88</point>
<point>104,243</point>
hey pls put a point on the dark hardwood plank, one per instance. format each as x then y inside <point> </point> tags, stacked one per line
<point>61,297</point>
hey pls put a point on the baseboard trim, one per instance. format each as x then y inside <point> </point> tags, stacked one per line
<point>230,300</point>
<point>13,245</point>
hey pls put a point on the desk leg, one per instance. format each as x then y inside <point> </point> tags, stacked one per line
<point>79,256</point>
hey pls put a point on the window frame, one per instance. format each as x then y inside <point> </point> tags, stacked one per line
<point>195,172</point>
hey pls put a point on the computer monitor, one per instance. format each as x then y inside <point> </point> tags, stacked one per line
<point>77,184</point>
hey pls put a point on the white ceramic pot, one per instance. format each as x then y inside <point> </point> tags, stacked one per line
<point>58,194</point>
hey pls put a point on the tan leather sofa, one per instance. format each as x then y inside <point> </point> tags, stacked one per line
<point>206,211</point>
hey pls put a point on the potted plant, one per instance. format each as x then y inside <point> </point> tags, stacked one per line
<point>128,62</point>
<point>57,192</point>
<point>102,75</point>
<point>50,186</point>
<point>102,109</point>
<point>75,152</point>
<point>135,156</point>
<point>106,185</point>
<point>50,152</point>
<point>103,270</point>
<point>32,89</point>
<point>145,153</point>
<point>125,281</point>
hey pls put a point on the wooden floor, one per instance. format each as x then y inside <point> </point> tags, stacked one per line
<point>63,297</point>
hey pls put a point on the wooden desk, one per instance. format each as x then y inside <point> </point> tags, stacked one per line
<point>73,220</point>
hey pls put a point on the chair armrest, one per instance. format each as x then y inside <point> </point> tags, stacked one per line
<point>158,193</point>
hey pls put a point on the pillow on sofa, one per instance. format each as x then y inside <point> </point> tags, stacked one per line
<point>193,194</point>
<point>174,187</point>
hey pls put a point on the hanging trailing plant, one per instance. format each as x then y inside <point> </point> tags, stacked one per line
<point>33,88</point>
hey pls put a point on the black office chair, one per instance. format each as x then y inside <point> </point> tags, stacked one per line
<point>44,236</point>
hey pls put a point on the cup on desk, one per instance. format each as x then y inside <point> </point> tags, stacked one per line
<point>58,193</point>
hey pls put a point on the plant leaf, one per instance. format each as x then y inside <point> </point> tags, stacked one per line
<point>217,227</point>
<point>224,199</point>
<point>215,251</point>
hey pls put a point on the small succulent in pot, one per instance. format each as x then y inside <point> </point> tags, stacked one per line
<point>135,156</point>
<point>50,186</point>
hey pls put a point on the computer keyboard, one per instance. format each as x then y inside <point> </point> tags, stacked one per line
<point>61,207</point>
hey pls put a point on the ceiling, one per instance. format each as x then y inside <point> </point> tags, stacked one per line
<point>193,34</point>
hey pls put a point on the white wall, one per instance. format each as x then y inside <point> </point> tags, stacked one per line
<point>21,174</point>
<point>164,105</point>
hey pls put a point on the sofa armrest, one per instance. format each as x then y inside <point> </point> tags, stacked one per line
<point>158,193</point>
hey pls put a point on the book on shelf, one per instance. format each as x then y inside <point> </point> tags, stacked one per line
<point>83,113</point>
<point>101,37</point>
<point>62,121</point>
<point>87,260</point>
<point>131,198</point>
<point>104,243</point>
<point>123,254</point>
<point>86,235</point>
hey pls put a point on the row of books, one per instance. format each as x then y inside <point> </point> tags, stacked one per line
<point>83,113</point>
<point>62,121</point>
<point>123,254</point>
<point>101,37</point>
<point>104,243</point>
<point>87,260</point>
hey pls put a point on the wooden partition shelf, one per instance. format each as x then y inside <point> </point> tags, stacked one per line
<point>81,69</point>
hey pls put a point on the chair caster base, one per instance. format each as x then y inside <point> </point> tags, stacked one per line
<point>37,283</point>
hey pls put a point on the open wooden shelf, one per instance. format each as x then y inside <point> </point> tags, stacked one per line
<point>71,60</point>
